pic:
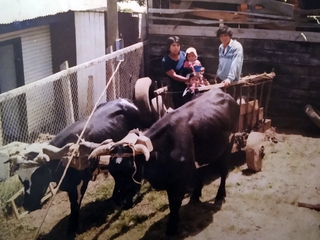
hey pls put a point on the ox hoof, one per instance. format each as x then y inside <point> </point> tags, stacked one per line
<point>218,201</point>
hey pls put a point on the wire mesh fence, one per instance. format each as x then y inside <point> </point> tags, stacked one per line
<point>50,104</point>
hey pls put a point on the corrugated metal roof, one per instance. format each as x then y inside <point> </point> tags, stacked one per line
<point>17,10</point>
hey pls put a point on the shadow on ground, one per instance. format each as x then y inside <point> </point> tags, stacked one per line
<point>193,217</point>
<point>93,214</point>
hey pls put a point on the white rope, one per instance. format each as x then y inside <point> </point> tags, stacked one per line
<point>77,143</point>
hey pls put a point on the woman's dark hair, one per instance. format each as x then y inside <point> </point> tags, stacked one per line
<point>173,39</point>
<point>224,30</point>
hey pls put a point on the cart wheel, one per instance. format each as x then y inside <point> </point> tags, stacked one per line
<point>313,114</point>
<point>142,100</point>
<point>158,107</point>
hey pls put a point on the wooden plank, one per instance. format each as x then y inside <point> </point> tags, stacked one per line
<point>274,24</point>
<point>226,16</point>
<point>182,5</point>
<point>175,11</point>
<point>250,2</point>
<point>200,31</point>
<point>264,126</point>
<point>279,7</point>
<point>14,206</point>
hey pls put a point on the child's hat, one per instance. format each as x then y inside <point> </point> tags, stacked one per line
<point>191,49</point>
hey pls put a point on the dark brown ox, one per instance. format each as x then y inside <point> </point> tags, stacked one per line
<point>41,164</point>
<point>194,136</point>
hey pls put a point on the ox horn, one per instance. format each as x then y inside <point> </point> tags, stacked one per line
<point>140,148</point>
<point>101,150</point>
<point>56,153</point>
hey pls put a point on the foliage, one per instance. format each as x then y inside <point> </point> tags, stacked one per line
<point>140,2</point>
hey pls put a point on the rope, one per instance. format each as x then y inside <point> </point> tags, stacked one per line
<point>134,164</point>
<point>77,143</point>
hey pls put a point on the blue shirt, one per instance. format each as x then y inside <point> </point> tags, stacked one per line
<point>177,66</point>
<point>230,61</point>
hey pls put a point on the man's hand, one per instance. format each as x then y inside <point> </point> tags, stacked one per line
<point>227,82</point>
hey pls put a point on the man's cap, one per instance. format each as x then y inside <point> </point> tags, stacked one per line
<point>191,49</point>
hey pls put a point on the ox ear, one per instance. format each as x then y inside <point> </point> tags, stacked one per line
<point>140,148</point>
<point>101,150</point>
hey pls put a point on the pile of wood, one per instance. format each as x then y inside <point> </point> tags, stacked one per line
<point>264,14</point>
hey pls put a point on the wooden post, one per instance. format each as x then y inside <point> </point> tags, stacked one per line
<point>112,22</point>
<point>67,94</point>
<point>90,94</point>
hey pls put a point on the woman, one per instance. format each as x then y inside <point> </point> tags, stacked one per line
<point>172,64</point>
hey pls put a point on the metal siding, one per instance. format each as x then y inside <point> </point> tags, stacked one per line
<point>36,51</point>
<point>37,58</point>
<point>90,44</point>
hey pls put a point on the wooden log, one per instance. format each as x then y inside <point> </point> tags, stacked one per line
<point>309,205</point>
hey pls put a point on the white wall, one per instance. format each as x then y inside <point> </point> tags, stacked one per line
<point>90,44</point>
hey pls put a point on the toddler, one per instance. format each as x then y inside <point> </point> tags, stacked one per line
<point>191,90</point>
<point>192,61</point>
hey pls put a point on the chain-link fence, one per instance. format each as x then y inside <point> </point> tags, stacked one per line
<point>48,105</point>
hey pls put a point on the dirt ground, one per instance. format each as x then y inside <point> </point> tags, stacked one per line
<point>261,205</point>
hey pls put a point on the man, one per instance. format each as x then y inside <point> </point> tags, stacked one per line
<point>230,57</point>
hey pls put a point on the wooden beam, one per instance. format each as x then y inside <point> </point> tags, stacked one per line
<point>250,2</point>
<point>254,21</point>
<point>175,11</point>
<point>199,31</point>
<point>182,5</point>
<point>200,12</point>
<point>279,7</point>
<point>112,23</point>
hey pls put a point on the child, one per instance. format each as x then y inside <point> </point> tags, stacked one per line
<point>192,61</point>
<point>191,90</point>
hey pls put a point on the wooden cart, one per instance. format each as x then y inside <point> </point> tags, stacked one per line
<point>252,93</point>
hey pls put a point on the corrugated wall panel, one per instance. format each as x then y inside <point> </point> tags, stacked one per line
<point>37,58</point>
<point>90,44</point>
<point>36,51</point>
<point>37,64</point>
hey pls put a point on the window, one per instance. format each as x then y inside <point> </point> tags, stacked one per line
<point>11,65</point>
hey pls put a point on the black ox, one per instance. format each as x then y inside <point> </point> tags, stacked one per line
<point>37,168</point>
<point>192,136</point>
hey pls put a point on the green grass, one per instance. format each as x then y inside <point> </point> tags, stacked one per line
<point>7,189</point>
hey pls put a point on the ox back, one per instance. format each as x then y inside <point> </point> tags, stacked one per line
<point>111,120</point>
<point>192,137</point>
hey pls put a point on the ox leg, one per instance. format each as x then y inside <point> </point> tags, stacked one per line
<point>175,201</point>
<point>223,170</point>
<point>196,194</point>
<point>75,197</point>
